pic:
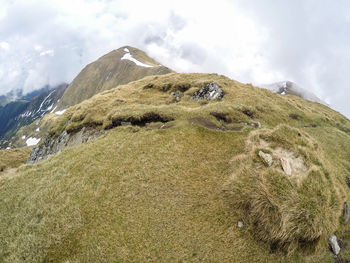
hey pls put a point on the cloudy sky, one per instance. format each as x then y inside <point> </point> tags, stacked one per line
<point>252,41</point>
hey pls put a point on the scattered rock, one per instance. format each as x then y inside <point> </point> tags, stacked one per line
<point>254,124</point>
<point>266,158</point>
<point>240,224</point>
<point>211,91</point>
<point>345,214</point>
<point>347,180</point>
<point>176,95</point>
<point>334,244</point>
<point>286,166</point>
<point>53,145</point>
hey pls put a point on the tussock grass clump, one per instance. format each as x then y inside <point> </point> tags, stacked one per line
<point>288,212</point>
<point>13,158</point>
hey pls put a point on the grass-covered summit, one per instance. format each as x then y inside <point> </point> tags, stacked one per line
<point>172,177</point>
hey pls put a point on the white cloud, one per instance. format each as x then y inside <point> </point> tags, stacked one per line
<point>4,45</point>
<point>255,41</point>
<point>48,52</point>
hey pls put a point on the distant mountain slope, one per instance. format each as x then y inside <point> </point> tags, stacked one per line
<point>19,113</point>
<point>118,67</point>
<point>288,87</point>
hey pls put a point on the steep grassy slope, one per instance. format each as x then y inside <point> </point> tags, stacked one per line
<point>108,72</point>
<point>13,158</point>
<point>148,191</point>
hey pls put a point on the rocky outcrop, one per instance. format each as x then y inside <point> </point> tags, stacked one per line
<point>53,145</point>
<point>333,242</point>
<point>211,91</point>
<point>266,158</point>
<point>286,166</point>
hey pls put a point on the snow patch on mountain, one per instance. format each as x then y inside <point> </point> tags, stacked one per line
<point>31,141</point>
<point>288,87</point>
<point>60,112</point>
<point>128,56</point>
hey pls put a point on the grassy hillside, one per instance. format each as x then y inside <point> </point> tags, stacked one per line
<point>108,72</point>
<point>174,189</point>
<point>13,158</point>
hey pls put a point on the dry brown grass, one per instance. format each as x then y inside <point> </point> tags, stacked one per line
<point>143,194</point>
<point>13,158</point>
<point>290,213</point>
<point>108,72</point>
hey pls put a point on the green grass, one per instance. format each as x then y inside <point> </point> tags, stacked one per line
<point>143,194</point>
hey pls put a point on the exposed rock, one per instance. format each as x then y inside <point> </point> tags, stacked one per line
<point>211,91</point>
<point>51,145</point>
<point>176,95</point>
<point>345,214</point>
<point>347,180</point>
<point>334,244</point>
<point>286,166</point>
<point>254,124</point>
<point>266,158</point>
<point>240,224</point>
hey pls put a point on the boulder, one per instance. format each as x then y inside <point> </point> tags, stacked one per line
<point>286,166</point>
<point>333,242</point>
<point>266,158</point>
<point>211,91</point>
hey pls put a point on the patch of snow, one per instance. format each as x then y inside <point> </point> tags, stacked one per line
<point>60,112</point>
<point>37,129</point>
<point>50,107</point>
<point>26,114</point>
<point>53,110</point>
<point>8,148</point>
<point>126,50</point>
<point>31,141</point>
<point>42,103</point>
<point>128,56</point>
<point>23,137</point>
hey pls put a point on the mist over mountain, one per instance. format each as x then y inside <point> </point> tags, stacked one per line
<point>288,87</point>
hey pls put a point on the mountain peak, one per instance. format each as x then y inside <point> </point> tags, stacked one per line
<point>118,67</point>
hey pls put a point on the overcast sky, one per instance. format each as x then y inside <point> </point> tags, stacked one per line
<point>252,41</point>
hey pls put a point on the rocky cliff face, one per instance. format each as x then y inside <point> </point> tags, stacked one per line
<point>53,145</point>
